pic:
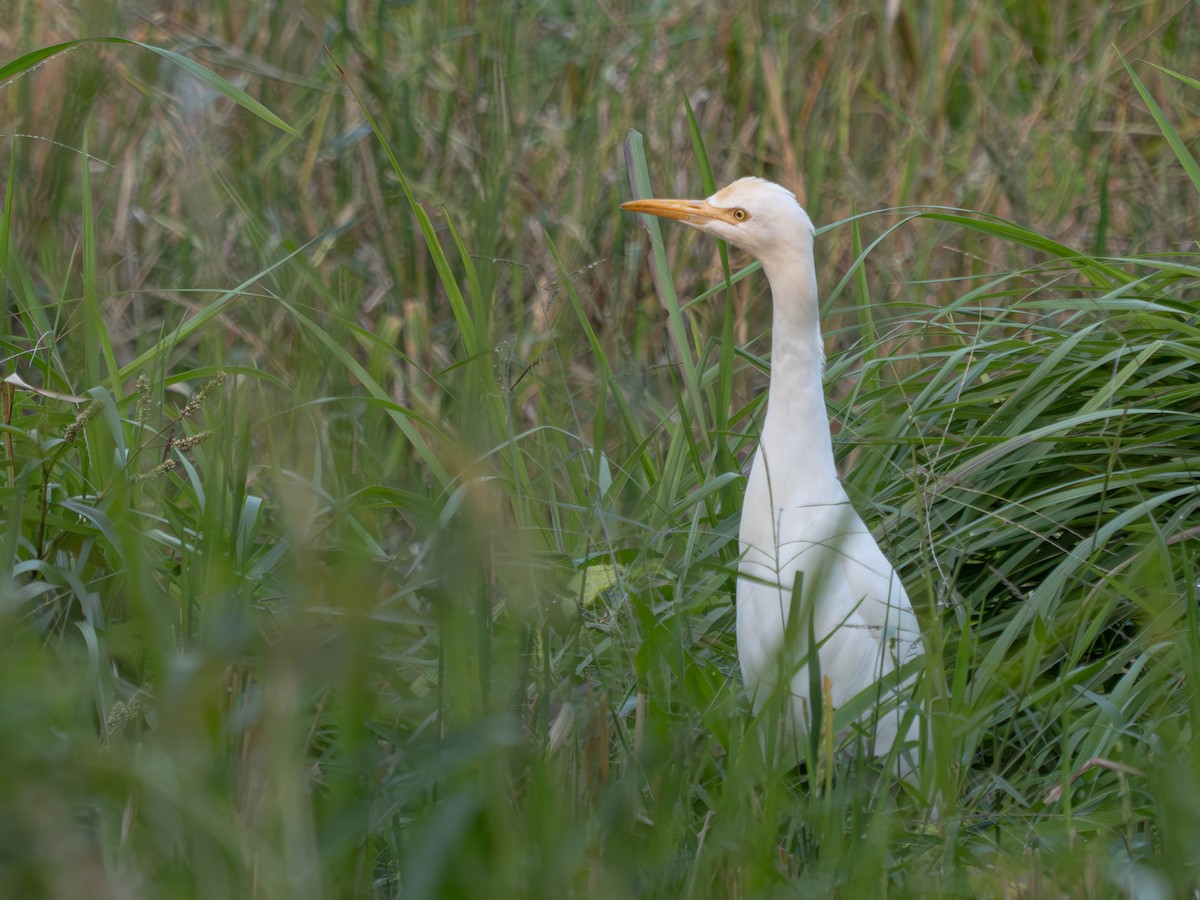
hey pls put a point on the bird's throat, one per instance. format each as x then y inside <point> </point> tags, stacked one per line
<point>795,434</point>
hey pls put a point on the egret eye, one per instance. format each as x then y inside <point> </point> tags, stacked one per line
<point>740,215</point>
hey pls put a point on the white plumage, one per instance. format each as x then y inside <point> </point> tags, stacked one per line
<point>796,517</point>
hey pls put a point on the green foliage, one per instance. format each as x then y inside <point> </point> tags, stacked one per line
<point>370,521</point>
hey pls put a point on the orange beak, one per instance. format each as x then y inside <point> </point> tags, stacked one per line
<point>694,212</point>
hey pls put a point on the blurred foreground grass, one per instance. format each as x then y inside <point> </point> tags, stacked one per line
<point>366,535</point>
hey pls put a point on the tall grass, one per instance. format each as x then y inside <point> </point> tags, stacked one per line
<point>370,520</point>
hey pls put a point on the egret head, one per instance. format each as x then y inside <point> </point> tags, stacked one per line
<point>757,216</point>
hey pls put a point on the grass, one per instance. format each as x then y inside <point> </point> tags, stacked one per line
<point>370,520</point>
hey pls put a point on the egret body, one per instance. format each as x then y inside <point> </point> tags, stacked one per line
<point>796,518</point>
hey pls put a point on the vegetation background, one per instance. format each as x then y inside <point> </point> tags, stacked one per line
<point>368,517</point>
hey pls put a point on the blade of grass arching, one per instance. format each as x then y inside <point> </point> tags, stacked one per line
<point>96,341</point>
<point>481,310</point>
<point>1113,384</point>
<point>706,175</point>
<point>1164,124</point>
<point>471,338</point>
<point>852,273</point>
<point>710,187</point>
<point>1188,80</point>
<point>190,326</point>
<point>725,460</point>
<point>34,58</point>
<point>702,492</point>
<point>31,60</point>
<point>737,276</point>
<point>214,81</point>
<point>1100,272</point>
<point>639,181</point>
<point>403,421</point>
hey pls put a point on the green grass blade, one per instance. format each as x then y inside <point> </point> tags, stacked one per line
<point>639,180</point>
<point>1164,125</point>
<point>29,61</point>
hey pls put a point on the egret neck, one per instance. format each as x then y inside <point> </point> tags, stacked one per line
<point>795,445</point>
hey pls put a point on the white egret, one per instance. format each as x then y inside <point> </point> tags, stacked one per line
<point>796,518</point>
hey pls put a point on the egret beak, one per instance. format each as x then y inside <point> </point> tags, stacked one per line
<point>694,212</point>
